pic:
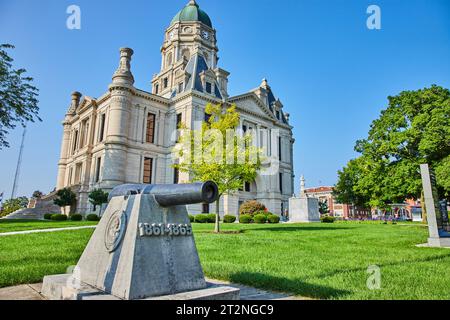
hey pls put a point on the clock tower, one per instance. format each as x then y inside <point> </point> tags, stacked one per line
<point>190,34</point>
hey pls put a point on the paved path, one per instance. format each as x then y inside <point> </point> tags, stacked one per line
<point>44,230</point>
<point>33,292</point>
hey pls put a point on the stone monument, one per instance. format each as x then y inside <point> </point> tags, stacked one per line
<point>303,208</point>
<point>437,216</point>
<point>143,248</point>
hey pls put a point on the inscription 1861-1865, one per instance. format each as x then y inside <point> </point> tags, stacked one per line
<point>150,230</point>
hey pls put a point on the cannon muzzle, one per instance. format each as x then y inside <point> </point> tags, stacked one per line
<point>168,195</point>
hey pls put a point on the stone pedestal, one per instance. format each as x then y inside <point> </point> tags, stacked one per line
<point>139,250</point>
<point>304,209</point>
<point>67,287</point>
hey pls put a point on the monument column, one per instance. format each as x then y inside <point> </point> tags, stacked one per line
<point>116,143</point>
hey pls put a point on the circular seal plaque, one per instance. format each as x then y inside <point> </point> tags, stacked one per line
<point>115,230</point>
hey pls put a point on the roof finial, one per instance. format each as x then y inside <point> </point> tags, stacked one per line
<point>192,3</point>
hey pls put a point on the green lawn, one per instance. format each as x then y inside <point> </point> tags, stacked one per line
<point>24,225</point>
<point>327,261</point>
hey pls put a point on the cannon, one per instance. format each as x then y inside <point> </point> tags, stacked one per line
<point>168,195</point>
<point>143,247</point>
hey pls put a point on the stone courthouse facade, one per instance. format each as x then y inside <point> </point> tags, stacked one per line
<point>127,135</point>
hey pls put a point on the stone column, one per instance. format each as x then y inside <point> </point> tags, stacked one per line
<point>121,90</point>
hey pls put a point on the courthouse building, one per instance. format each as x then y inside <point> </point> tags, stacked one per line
<point>127,134</point>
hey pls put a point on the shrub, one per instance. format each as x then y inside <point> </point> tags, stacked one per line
<point>48,216</point>
<point>76,217</point>
<point>59,217</point>
<point>273,218</point>
<point>251,207</point>
<point>260,218</point>
<point>201,218</point>
<point>327,219</point>
<point>245,218</point>
<point>191,218</point>
<point>229,219</point>
<point>211,217</point>
<point>92,217</point>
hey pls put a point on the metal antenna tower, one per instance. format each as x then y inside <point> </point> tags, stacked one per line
<point>19,163</point>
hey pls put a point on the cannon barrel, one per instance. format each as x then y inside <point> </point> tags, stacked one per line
<point>168,195</point>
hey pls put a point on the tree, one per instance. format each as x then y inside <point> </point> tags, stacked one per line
<point>217,153</point>
<point>413,129</point>
<point>65,198</point>
<point>11,205</point>
<point>37,194</point>
<point>18,97</point>
<point>323,207</point>
<point>98,197</point>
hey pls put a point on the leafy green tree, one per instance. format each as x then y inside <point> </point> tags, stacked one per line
<point>11,205</point>
<point>323,207</point>
<point>18,97</point>
<point>205,154</point>
<point>65,198</point>
<point>37,194</point>
<point>98,197</point>
<point>413,129</point>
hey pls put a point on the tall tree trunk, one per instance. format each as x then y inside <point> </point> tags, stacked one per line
<point>217,226</point>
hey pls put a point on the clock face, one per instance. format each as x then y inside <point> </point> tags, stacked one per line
<point>205,35</point>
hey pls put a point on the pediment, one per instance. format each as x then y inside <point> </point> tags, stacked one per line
<point>251,104</point>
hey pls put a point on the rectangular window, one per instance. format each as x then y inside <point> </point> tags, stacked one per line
<point>166,83</point>
<point>180,87</point>
<point>156,88</point>
<point>281,182</point>
<point>278,115</point>
<point>244,128</point>
<point>176,176</point>
<point>209,87</point>
<point>97,169</point>
<point>179,120</point>
<point>279,148</point>
<point>102,127</point>
<point>78,169</point>
<point>247,187</point>
<point>150,136</point>
<point>148,168</point>
<point>75,141</point>
<point>205,208</point>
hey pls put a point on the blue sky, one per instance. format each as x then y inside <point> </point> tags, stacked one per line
<point>332,73</point>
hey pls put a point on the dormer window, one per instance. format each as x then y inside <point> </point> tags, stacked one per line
<point>278,115</point>
<point>208,87</point>
<point>156,88</point>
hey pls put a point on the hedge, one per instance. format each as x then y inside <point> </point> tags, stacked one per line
<point>76,217</point>
<point>327,219</point>
<point>260,218</point>
<point>272,218</point>
<point>191,218</point>
<point>229,219</point>
<point>59,217</point>
<point>251,207</point>
<point>245,218</point>
<point>48,216</point>
<point>201,218</point>
<point>92,217</point>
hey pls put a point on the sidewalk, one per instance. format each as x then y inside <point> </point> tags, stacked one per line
<point>33,292</point>
<point>44,230</point>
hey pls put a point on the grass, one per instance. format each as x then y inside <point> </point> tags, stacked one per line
<point>24,225</point>
<point>327,261</point>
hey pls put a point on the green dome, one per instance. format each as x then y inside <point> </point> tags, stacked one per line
<point>192,13</point>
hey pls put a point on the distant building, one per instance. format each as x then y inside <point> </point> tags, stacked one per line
<point>340,210</point>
